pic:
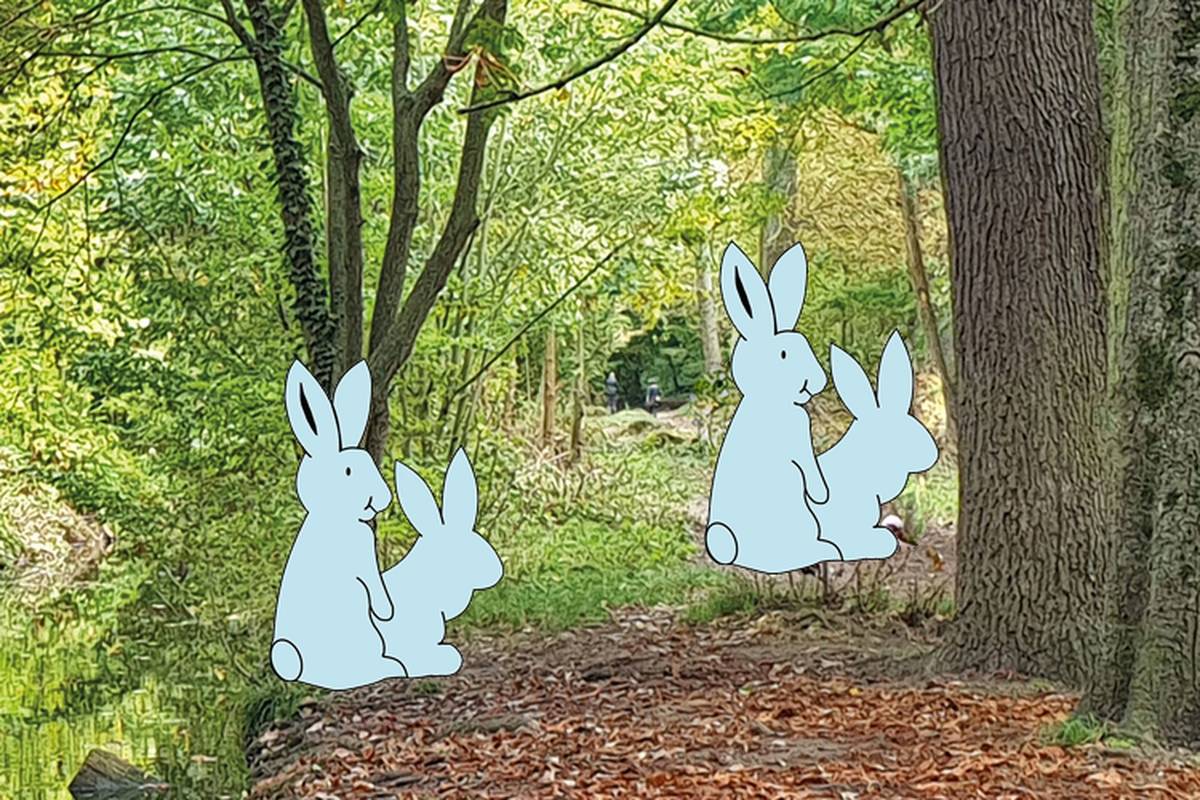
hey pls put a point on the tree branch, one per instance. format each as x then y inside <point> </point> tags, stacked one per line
<point>875,27</point>
<point>432,88</point>
<point>513,97</point>
<point>357,23</point>
<point>409,109</point>
<point>541,315</point>
<point>823,73</point>
<point>114,56</point>
<point>395,344</point>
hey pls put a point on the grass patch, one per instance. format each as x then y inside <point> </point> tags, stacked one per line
<point>1075,731</point>
<point>734,598</point>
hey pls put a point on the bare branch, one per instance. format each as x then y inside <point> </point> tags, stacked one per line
<point>875,27</point>
<point>146,104</point>
<point>409,109</point>
<point>15,18</point>
<point>114,56</point>
<point>357,23</point>
<point>823,73</point>
<point>513,97</point>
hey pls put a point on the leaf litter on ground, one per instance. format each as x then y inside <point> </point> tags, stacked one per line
<point>645,706</point>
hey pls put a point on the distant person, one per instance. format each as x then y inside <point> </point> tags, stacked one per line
<point>612,391</point>
<point>653,397</point>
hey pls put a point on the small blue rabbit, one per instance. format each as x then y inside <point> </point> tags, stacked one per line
<point>331,587</point>
<point>871,463</point>
<point>434,582</point>
<point>766,476</point>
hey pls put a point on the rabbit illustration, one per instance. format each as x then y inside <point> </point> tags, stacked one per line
<point>331,585</point>
<point>434,582</point>
<point>758,515</point>
<point>871,463</point>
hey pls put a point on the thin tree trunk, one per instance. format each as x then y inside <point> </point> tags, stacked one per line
<point>576,450</point>
<point>391,347</point>
<point>710,341</point>
<point>1026,218</point>
<point>1149,678</point>
<point>779,231</point>
<point>549,389</point>
<point>343,234</point>
<point>920,282</point>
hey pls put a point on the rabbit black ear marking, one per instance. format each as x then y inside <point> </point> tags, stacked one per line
<point>741,290</point>
<point>307,409</point>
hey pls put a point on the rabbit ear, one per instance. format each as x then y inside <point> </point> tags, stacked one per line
<point>460,496</point>
<point>852,383</point>
<point>309,412</point>
<point>895,375</point>
<point>352,403</point>
<point>788,282</point>
<point>746,297</point>
<point>416,498</point>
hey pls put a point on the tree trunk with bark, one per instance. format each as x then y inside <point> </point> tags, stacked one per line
<point>332,316</point>
<point>919,277</point>
<point>1022,151</point>
<point>1149,678</point>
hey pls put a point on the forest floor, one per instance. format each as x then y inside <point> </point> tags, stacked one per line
<point>800,701</point>
<point>785,705</point>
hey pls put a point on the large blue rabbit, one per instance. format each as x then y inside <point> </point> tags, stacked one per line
<point>331,588</point>
<point>766,475</point>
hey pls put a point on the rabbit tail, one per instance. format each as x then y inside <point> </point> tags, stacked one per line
<point>286,660</point>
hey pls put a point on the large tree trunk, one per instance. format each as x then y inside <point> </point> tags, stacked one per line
<point>920,282</point>
<point>1150,675</point>
<point>1022,160</point>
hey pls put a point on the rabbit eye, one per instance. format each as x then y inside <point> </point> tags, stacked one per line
<point>347,472</point>
<point>783,353</point>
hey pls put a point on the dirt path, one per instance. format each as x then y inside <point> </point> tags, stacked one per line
<point>647,707</point>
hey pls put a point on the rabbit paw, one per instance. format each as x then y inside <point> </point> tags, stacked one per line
<point>721,543</point>
<point>389,612</point>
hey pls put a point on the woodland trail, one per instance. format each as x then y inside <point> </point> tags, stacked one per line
<point>645,706</point>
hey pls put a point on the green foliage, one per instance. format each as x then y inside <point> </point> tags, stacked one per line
<point>145,324</point>
<point>1075,731</point>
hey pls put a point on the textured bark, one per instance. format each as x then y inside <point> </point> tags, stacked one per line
<point>1022,152</point>
<point>1150,680</point>
<point>710,342</point>
<point>920,282</point>
<point>343,210</point>
<point>279,103</point>
<point>394,333</point>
